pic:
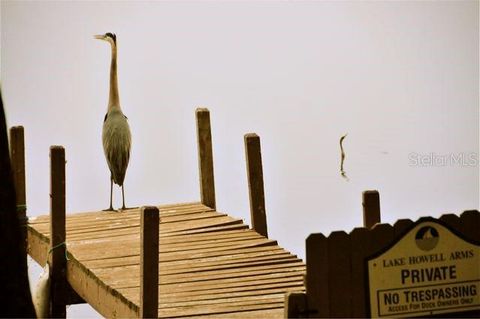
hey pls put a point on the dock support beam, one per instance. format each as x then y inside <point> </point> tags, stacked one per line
<point>57,255</point>
<point>371,208</point>
<point>150,224</point>
<point>256,192</point>
<point>17,156</point>
<point>205,157</point>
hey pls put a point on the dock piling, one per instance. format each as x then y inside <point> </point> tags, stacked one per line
<point>57,254</point>
<point>17,156</point>
<point>371,208</point>
<point>256,192</point>
<point>150,221</point>
<point>205,157</point>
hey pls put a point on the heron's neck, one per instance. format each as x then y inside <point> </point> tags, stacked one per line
<point>114,100</point>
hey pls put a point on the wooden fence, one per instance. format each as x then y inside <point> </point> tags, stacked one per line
<point>337,273</point>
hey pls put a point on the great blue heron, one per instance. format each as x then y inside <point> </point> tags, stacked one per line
<point>116,135</point>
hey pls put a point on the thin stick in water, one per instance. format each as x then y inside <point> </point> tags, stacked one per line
<point>342,158</point>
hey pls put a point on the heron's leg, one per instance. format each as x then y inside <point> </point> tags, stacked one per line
<point>123,198</point>
<point>111,192</point>
<point>111,195</point>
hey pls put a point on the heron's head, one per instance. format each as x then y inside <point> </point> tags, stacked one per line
<point>109,37</point>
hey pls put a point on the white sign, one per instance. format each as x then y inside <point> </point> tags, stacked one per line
<point>430,270</point>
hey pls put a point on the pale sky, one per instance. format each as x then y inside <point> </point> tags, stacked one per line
<point>401,78</point>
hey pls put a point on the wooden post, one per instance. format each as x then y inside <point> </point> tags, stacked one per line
<point>57,260</point>
<point>17,155</point>
<point>371,208</point>
<point>295,305</point>
<point>256,193</point>
<point>150,222</point>
<point>205,157</point>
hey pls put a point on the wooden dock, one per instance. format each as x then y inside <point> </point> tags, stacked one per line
<point>182,260</point>
<point>210,264</point>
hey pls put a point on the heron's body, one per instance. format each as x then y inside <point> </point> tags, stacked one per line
<point>116,135</point>
<point>116,144</point>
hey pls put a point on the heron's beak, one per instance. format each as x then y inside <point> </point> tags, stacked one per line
<point>99,37</point>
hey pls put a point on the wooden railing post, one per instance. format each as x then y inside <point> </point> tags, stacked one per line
<point>150,224</point>
<point>17,156</point>
<point>205,157</point>
<point>57,255</point>
<point>256,193</point>
<point>371,208</point>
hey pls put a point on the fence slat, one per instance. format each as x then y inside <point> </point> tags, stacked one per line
<point>361,247</point>
<point>452,220</point>
<point>381,235</point>
<point>470,221</point>
<point>317,275</point>
<point>401,226</point>
<point>339,274</point>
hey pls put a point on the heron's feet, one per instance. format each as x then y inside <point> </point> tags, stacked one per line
<point>127,208</point>
<point>109,209</point>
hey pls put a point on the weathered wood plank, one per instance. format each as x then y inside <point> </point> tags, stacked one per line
<point>252,279</point>
<point>201,263</point>
<point>182,211</point>
<point>189,302</point>
<point>222,264</point>
<point>180,296</point>
<point>116,234</point>
<point>175,223</point>
<point>125,279</point>
<point>85,254</point>
<point>225,309</point>
<point>255,314</point>
<point>170,247</point>
<point>233,284</point>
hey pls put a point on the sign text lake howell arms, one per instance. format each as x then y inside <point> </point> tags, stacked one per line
<point>430,270</point>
